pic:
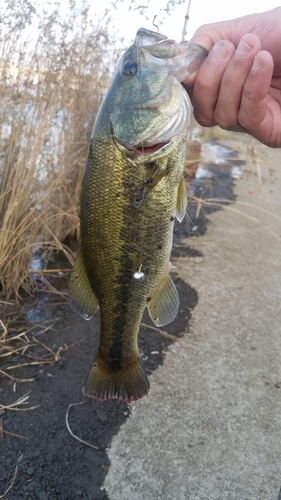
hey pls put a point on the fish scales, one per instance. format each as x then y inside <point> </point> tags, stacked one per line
<point>130,197</point>
<point>126,238</point>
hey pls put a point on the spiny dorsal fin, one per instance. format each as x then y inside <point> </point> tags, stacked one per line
<point>80,294</point>
<point>181,201</point>
<point>163,305</point>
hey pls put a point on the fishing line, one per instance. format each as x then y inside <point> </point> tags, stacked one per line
<point>139,275</point>
<point>154,24</point>
<point>225,261</point>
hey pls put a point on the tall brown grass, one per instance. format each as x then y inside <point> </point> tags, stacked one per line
<point>51,87</point>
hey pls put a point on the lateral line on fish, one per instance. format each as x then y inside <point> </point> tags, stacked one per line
<point>225,261</point>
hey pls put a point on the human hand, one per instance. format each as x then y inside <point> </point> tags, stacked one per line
<point>238,86</point>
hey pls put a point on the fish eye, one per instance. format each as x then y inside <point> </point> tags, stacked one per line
<point>130,68</point>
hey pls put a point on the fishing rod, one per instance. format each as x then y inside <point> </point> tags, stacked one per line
<point>186,19</point>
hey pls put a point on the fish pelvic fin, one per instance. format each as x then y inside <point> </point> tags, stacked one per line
<point>181,201</point>
<point>164,304</point>
<point>80,294</point>
<point>128,383</point>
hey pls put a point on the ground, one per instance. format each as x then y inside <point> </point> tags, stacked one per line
<point>210,427</point>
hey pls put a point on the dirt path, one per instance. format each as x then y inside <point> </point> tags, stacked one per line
<point>210,427</point>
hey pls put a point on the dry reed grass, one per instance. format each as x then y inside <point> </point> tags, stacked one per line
<point>50,91</point>
<point>69,428</point>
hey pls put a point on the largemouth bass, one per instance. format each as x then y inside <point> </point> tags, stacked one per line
<point>132,190</point>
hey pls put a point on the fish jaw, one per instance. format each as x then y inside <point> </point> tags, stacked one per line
<point>183,58</point>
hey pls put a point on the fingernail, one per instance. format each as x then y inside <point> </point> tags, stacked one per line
<point>257,64</point>
<point>218,52</point>
<point>243,48</point>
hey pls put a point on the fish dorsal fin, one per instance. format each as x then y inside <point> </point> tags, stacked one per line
<point>181,201</point>
<point>164,303</point>
<point>80,294</point>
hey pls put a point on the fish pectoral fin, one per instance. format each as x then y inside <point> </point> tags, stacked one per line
<point>80,294</point>
<point>147,185</point>
<point>181,201</point>
<point>154,177</point>
<point>164,304</point>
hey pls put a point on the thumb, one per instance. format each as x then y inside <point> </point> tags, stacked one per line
<point>204,39</point>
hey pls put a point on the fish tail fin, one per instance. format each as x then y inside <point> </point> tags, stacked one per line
<point>126,381</point>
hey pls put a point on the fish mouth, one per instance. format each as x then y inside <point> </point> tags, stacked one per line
<point>146,150</point>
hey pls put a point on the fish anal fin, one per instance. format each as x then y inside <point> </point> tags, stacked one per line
<point>128,383</point>
<point>181,201</point>
<point>164,303</point>
<point>80,294</point>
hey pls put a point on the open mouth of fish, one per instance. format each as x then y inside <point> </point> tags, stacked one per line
<point>145,150</point>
